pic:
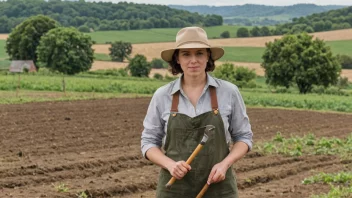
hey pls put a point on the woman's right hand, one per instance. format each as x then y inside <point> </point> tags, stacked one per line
<point>179,169</point>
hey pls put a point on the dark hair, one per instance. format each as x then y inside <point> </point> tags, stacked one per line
<point>176,68</point>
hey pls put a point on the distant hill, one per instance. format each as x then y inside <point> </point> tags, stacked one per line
<point>250,13</point>
<point>317,22</point>
<point>102,15</point>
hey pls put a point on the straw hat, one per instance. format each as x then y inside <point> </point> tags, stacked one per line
<point>192,37</point>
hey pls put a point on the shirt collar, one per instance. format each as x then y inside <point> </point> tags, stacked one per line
<point>177,85</point>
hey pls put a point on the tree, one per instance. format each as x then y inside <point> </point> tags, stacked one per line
<point>255,31</point>
<point>139,66</point>
<point>240,76</point>
<point>301,60</point>
<point>120,50</point>
<point>24,39</point>
<point>84,28</point>
<point>158,63</point>
<point>242,32</point>
<point>265,31</point>
<point>225,34</point>
<point>66,50</point>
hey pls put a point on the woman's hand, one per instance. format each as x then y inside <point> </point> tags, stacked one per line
<point>218,173</point>
<point>179,169</point>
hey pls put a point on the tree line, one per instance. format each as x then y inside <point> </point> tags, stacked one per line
<point>101,15</point>
<point>253,10</point>
<point>332,20</point>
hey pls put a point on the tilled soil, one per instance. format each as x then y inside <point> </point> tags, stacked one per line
<point>94,146</point>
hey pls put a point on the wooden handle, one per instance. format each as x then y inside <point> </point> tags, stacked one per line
<point>189,161</point>
<point>194,154</point>
<point>202,192</point>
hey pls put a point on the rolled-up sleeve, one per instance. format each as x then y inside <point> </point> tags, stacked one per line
<point>153,132</point>
<point>240,128</point>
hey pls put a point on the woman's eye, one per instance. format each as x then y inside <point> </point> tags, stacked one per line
<point>200,53</point>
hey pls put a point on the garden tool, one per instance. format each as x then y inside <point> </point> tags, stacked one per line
<point>207,130</point>
<point>202,192</point>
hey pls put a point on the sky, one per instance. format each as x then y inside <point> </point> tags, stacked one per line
<point>237,2</point>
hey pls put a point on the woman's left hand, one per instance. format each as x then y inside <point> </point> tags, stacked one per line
<point>218,173</point>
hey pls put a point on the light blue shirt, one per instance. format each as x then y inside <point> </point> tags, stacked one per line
<point>231,107</point>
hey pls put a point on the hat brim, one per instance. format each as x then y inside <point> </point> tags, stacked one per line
<point>216,52</point>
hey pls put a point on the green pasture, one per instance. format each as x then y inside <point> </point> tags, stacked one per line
<point>341,47</point>
<point>254,54</point>
<point>243,54</point>
<point>155,35</point>
<point>3,53</point>
<point>102,57</point>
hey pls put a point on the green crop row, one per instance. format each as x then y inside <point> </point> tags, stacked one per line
<point>300,101</point>
<point>80,84</point>
<point>309,145</point>
<point>340,183</point>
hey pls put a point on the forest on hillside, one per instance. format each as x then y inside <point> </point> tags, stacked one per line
<point>318,22</point>
<point>331,20</point>
<point>102,15</point>
<point>250,14</point>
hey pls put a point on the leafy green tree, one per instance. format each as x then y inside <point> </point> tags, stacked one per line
<point>240,76</point>
<point>84,28</point>
<point>225,34</point>
<point>300,60</point>
<point>242,32</point>
<point>23,41</point>
<point>158,63</point>
<point>255,31</point>
<point>120,50</point>
<point>66,50</point>
<point>158,76</point>
<point>309,29</point>
<point>265,31</point>
<point>139,66</point>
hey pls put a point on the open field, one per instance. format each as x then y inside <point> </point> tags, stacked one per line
<point>94,146</point>
<point>340,42</point>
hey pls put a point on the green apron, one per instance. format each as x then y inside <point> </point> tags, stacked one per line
<point>183,135</point>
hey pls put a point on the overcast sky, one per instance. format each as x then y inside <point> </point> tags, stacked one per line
<point>238,2</point>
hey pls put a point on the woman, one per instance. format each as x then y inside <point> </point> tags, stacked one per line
<point>178,113</point>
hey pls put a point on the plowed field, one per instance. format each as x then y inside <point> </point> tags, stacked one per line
<point>94,146</point>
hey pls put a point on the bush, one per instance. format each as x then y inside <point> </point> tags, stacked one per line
<point>139,66</point>
<point>110,72</point>
<point>240,76</point>
<point>158,63</point>
<point>345,61</point>
<point>342,83</point>
<point>84,28</point>
<point>158,76</point>
<point>225,34</point>
<point>242,32</point>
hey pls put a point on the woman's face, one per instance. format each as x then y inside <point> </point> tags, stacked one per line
<point>193,61</point>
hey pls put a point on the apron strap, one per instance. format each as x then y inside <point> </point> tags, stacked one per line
<point>175,99</point>
<point>214,99</point>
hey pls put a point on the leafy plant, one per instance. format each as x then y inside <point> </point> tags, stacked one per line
<point>61,187</point>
